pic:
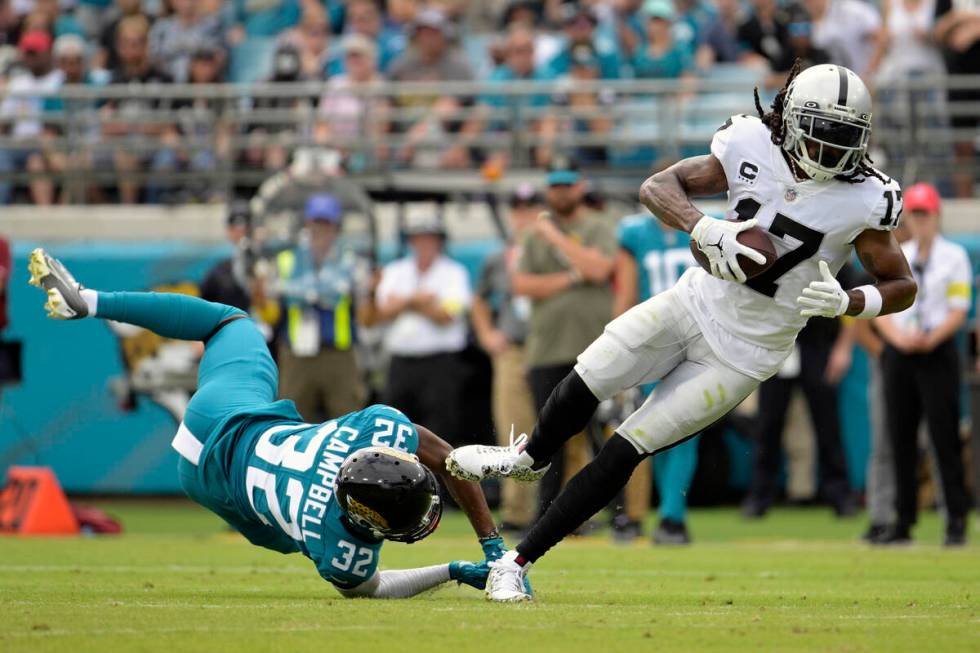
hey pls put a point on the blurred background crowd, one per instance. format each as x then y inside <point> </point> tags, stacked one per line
<point>380,169</point>
<point>113,101</point>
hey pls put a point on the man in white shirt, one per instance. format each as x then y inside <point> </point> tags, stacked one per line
<point>424,297</point>
<point>921,366</point>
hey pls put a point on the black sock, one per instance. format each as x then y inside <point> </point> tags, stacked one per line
<point>588,492</point>
<point>567,412</point>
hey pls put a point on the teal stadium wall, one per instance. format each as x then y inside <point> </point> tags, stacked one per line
<point>64,414</point>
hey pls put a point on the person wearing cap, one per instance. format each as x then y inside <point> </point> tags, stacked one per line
<point>661,56</point>
<point>23,114</point>
<point>921,365</point>
<point>225,283</point>
<point>579,27</point>
<point>424,298</point>
<point>500,321</point>
<point>316,330</point>
<point>349,120</point>
<point>565,266</point>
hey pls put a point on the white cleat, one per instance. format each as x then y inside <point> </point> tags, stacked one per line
<point>478,462</point>
<point>505,584</point>
<point>64,293</point>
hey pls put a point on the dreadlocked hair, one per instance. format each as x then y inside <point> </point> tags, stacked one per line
<point>773,120</point>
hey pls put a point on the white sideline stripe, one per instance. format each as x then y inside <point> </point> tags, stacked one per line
<point>187,445</point>
<point>63,632</point>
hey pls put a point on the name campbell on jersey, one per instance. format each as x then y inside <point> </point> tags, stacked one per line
<point>753,326</point>
<point>273,477</point>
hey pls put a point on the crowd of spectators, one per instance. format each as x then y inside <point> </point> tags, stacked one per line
<point>350,44</point>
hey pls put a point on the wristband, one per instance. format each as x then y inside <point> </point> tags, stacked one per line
<point>492,535</point>
<point>872,302</point>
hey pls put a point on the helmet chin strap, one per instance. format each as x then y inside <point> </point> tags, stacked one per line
<point>798,172</point>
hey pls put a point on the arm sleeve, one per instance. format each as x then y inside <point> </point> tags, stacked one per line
<point>398,583</point>
<point>719,142</point>
<point>958,291</point>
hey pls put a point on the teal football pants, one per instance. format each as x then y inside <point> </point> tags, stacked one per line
<point>236,370</point>
<point>673,470</point>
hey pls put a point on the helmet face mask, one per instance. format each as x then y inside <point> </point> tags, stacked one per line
<point>827,121</point>
<point>390,494</point>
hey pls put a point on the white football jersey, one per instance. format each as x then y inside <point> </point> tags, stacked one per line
<point>753,326</point>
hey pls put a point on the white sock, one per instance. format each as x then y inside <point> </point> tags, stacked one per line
<point>91,299</point>
<point>524,459</point>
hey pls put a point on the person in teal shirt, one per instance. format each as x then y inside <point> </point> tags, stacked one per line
<point>650,260</point>
<point>333,491</point>
<point>661,55</point>
<point>580,28</point>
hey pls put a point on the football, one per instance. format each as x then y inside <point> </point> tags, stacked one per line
<point>756,238</point>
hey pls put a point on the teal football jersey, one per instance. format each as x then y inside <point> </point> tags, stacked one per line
<point>281,477</point>
<point>662,255</point>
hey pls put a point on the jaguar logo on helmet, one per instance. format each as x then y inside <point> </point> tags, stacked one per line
<point>827,121</point>
<point>355,507</point>
<point>389,493</point>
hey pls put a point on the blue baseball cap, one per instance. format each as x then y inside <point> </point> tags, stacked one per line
<point>562,171</point>
<point>323,207</point>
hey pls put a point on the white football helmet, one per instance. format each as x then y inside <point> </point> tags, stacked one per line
<point>827,121</point>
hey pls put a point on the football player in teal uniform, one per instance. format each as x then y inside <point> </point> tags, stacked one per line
<point>333,491</point>
<point>650,260</point>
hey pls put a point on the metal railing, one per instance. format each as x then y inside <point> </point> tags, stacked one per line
<point>224,137</point>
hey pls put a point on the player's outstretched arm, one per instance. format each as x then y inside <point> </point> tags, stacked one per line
<point>432,452</point>
<point>668,193</point>
<point>406,583</point>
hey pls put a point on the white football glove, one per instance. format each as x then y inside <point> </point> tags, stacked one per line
<point>717,239</point>
<point>824,298</point>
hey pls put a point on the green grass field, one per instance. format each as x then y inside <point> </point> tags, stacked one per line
<point>797,581</point>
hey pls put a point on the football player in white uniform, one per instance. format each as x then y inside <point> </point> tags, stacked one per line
<point>799,171</point>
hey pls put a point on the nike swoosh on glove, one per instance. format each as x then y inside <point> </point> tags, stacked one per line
<point>824,298</point>
<point>718,240</point>
<point>474,575</point>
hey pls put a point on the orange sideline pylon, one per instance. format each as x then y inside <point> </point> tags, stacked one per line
<point>33,503</point>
